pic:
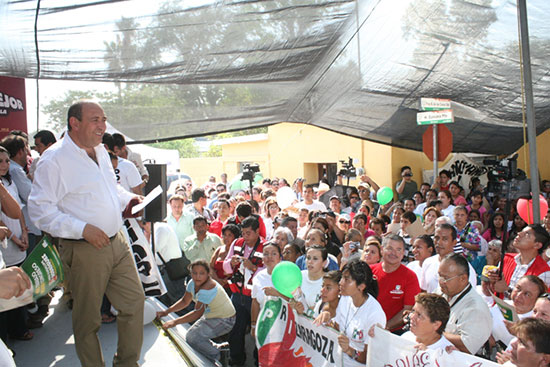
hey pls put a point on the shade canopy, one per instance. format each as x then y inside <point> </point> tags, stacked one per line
<point>191,68</point>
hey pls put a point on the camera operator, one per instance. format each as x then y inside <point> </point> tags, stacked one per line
<point>406,187</point>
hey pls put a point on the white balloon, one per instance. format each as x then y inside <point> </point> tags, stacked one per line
<point>285,197</point>
<point>149,312</point>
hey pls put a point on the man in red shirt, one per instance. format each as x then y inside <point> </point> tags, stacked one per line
<point>397,284</point>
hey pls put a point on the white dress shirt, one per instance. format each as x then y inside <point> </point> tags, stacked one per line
<point>71,190</point>
<point>127,174</point>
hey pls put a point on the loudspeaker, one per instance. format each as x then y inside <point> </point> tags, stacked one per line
<point>156,210</point>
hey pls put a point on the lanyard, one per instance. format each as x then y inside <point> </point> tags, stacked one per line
<point>462,295</point>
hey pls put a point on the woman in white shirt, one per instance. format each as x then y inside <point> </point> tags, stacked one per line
<point>422,248</point>
<point>312,280</point>
<point>262,284</point>
<point>357,312</point>
<point>428,319</point>
<point>447,201</point>
<point>524,296</point>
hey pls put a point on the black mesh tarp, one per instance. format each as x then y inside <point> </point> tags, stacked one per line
<point>190,68</point>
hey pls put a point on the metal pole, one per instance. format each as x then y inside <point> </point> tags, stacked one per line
<point>434,127</point>
<point>530,110</point>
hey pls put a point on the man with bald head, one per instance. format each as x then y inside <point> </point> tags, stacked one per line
<point>75,197</point>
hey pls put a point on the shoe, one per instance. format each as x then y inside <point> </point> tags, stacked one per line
<point>224,354</point>
<point>34,324</point>
<point>27,336</point>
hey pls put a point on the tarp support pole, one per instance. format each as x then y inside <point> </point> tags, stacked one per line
<point>529,110</point>
<point>434,135</point>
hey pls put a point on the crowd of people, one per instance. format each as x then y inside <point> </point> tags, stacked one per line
<point>424,266</point>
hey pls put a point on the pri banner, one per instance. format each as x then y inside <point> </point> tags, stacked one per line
<point>148,270</point>
<point>284,338</point>
<point>13,107</point>
<point>388,350</point>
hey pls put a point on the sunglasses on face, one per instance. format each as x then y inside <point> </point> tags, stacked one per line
<point>344,221</point>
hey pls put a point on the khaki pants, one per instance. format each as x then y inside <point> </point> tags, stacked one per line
<point>109,271</point>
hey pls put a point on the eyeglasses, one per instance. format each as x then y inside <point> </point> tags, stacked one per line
<point>445,280</point>
<point>354,198</point>
<point>344,222</point>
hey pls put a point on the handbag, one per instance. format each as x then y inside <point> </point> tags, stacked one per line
<point>177,268</point>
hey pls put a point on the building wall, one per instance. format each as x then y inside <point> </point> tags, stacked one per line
<point>543,156</point>
<point>294,150</point>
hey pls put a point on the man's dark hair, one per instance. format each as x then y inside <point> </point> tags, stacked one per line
<point>310,186</point>
<point>541,235</point>
<point>13,144</point>
<point>379,221</point>
<point>251,222</point>
<point>46,137</point>
<point>445,172</point>
<point>419,193</point>
<point>449,227</point>
<point>460,262</point>
<point>434,191</point>
<point>535,331</point>
<point>197,194</point>
<point>287,220</point>
<point>108,141</point>
<point>394,237</point>
<point>434,203</point>
<point>221,184</point>
<point>224,195</point>
<point>119,140</point>
<point>233,228</point>
<point>266,181</point>
<point>243,209</point>
<point>75,111</point>
<point>410,216</point>
<point>404,168</point>
<point>199,218</point>
<point>427,239</point>
<point>425,184</point>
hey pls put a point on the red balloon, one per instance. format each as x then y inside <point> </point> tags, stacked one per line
<point>525,209</point>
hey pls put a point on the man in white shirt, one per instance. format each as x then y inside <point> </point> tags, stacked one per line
<point>444,241</point>
<point>75,197</point>
<point>126,172</point>
<point>470,322</point>
<point>308,202</point>
<point>122,150</point>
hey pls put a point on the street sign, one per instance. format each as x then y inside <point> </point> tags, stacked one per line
<point>435,117</point>
<point>444,142</point>
<point>434,104</point>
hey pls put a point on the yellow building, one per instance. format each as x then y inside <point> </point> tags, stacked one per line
<point>292,150</point>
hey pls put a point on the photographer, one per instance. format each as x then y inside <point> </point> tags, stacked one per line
<point>406,187</point>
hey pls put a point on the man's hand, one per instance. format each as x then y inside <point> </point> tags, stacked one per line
<point>13,282</point>
<point>95,236</point>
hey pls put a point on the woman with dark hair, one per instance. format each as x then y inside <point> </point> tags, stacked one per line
<point>448,207</point>
<point>270,211</point>
<point>422,248</point>
<point>330,293</point>
<point>230,232</point>
<point>477,204</point>
<point>13,322</point>
<point>214,314</point>
<point>312,280</point>
<point>496,228</point>
<point>262,285</point>
<point>455,189</point>
<point>428,319</point>
<point>357,311</point>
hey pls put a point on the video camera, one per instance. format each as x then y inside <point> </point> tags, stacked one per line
<point>505,179</point>
<point>249,169</point>
<point>348,170</point>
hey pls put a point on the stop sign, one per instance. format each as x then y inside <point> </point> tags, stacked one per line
<point>444,142</point>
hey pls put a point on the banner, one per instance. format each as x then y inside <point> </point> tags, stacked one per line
<point>284,338</point>
<point>148,270</point>
<point>13,107</point>
<point>462,170</point>
<point>395,351</point>
<point>44,268</point>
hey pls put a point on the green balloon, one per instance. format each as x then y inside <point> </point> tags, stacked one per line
<point>384,195</point>
<point>286,277</point>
